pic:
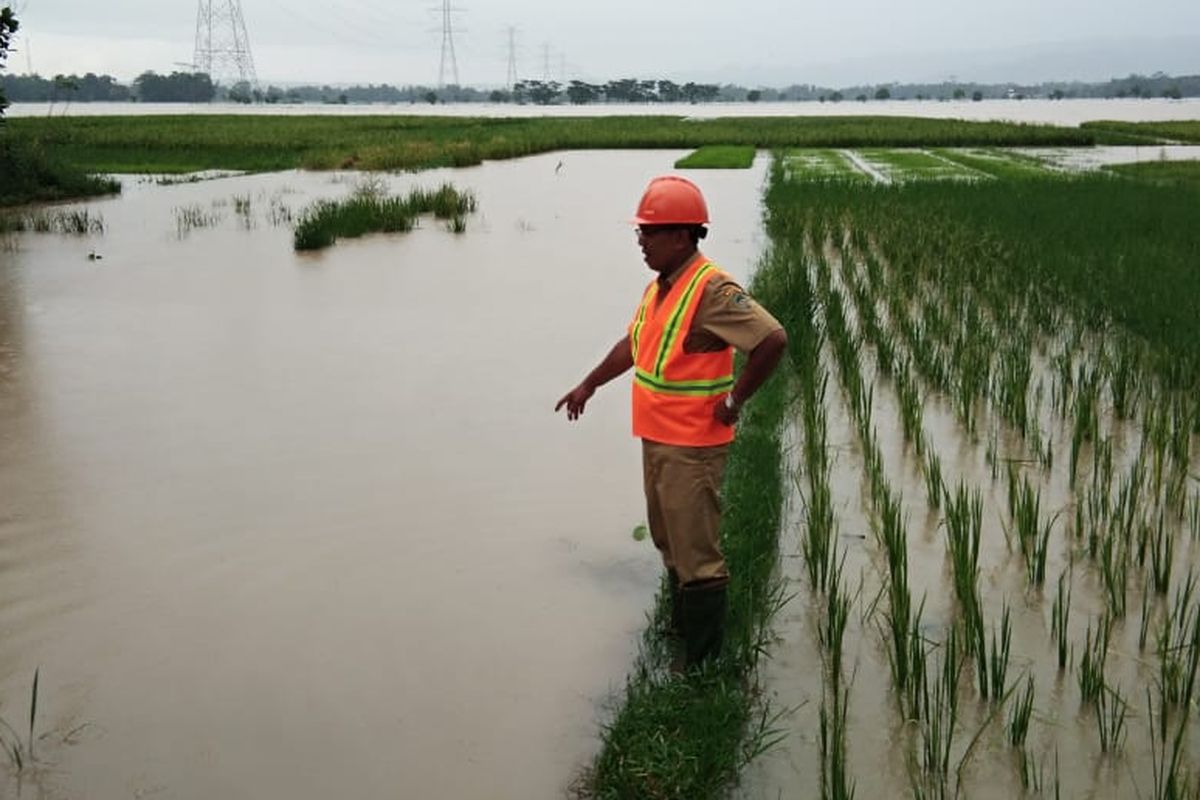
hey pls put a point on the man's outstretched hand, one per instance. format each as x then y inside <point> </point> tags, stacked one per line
<point>575,400</point>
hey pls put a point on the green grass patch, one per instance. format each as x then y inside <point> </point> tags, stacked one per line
<point>1169,172</point>
<point>163,144</point>
<point>30,173</point>
<point>718,156</point>
<point>1144,132</point>
<point>369,210</point>
<point>821,165</point>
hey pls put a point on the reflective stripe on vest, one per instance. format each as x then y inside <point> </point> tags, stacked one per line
<point>674,392</point>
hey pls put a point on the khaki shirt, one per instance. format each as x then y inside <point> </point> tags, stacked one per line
<point>726,316</point>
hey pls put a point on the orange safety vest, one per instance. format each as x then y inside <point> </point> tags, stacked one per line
<point>674,393</point>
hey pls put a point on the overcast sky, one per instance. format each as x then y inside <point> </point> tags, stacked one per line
<point>772,42</point>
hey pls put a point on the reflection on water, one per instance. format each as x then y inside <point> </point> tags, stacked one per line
<point>305,525</point>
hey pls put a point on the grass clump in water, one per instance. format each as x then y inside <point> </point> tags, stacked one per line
<point>718,156</point>
<point>370,210</point>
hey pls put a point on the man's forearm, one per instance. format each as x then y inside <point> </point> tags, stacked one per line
<point>759,365</point>
<point>616,363</point>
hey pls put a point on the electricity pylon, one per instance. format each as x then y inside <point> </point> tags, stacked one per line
<point>511,78</point>
<point>222,46</point>
<point>447,46</point>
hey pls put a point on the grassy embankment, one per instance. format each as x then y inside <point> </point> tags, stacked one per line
<point>193,143</point>
<point>1054,309</point>
<point>370,210</point>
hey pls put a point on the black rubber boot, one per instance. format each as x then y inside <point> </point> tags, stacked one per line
<point>703,620</point>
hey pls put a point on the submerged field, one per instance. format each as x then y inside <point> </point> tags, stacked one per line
<point>992,538</point>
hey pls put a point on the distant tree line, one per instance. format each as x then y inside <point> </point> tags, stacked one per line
<point>187,87</point>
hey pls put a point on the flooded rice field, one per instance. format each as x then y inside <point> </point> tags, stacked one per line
<point>1005,491</point>
<point>305,526</point>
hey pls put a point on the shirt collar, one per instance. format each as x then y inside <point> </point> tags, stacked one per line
<point>666,283</point>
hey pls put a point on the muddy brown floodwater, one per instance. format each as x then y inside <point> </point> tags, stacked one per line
<point>305,526</point>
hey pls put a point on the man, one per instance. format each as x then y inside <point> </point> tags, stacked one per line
<point>685,399</point>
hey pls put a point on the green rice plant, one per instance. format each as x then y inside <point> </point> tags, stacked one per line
<point>21,753</point>
<point>835,781</point>
<point>1020,714</point>
<point>837,611</point>
<point>1111,710</point>
<point>940,704</point>
<point>1034,537</point>
<point>1123,379</point>
<point>1060,617</point>
<point>1092,662</point>
<point>1178,646</point>
<point>1171,777</point>
<point>817,542</point>
<point>909,397</point>
<point>1114,570</point>
<point>1144,625</point>
<point>1162,557</point>
<point>1033,772</point>
<point>964,522</point>
<point>935,488</point>
<point>991,671</point>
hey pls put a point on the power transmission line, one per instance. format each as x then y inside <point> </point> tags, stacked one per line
<point>222,46</point>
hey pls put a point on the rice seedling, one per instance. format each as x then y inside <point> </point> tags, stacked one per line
<point>21,753</point>
<point>1171,778</point>
<point>816,545</point>
<point>835,781</point>
<point>935,488</point>
<point>1111,710</point>
<point>1162,557</point>
<point>1060,617</point>
<point>1092,661</point>
<point>1033,772</point>
<point>837,611</point>
<point>964,521</point>
<point>1114,570</point>
<point>939,702</point>
<point>992,666</point>
<point>1020,714</point>
<point>1034,537</point>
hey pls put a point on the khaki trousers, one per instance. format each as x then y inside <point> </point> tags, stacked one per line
<point>683,504</point>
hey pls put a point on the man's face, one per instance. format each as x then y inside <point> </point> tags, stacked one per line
<point>663,246</point>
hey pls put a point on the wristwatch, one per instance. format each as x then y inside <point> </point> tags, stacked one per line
<point>730,404</point>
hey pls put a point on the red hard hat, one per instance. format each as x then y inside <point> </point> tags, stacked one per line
<point>672,200</point>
